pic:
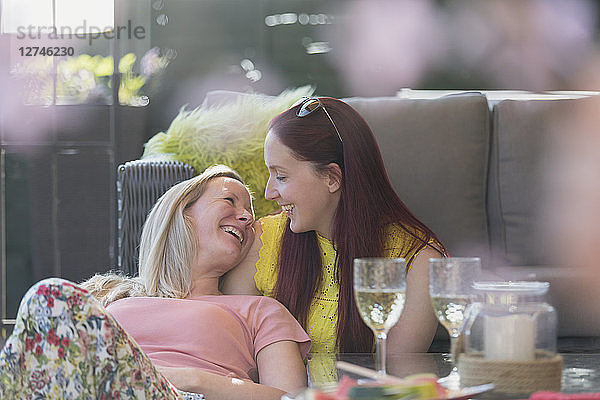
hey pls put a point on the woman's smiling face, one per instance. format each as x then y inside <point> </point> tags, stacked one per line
<point>223,220</point>
<point>309,199</point>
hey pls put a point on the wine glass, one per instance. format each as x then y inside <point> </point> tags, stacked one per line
<point>380,292</point>
<point>451,290</point>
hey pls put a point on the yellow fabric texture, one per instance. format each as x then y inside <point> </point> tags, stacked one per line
<point>322,316</point>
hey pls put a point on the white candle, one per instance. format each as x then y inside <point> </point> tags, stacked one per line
<point>510,337</point>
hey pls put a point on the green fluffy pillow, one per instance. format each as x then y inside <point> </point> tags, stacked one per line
<point>230,133</point>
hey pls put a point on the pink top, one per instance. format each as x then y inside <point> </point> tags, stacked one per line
<point>220,334</point>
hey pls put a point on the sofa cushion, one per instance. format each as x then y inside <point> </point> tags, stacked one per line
<point>436,155</point>
<point>523,142</point>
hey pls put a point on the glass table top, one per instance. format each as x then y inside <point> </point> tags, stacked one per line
<point>581,371</point>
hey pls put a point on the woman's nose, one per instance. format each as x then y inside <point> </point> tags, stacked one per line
<point>247,217</point>
<point>270,193</point>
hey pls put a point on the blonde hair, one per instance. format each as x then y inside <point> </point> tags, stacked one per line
<point>168,246</point>
<point>113,286</point>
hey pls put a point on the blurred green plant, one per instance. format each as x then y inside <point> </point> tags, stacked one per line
<point>87,79</point>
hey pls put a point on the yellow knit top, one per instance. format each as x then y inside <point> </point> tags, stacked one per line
<point>322,316</point>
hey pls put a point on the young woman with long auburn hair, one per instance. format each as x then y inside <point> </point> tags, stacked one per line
<point>327,174</point>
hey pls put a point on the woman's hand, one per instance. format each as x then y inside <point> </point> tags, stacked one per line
<point>215,386</point>
<point>182,378</point>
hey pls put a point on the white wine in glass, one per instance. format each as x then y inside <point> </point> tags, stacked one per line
<point>380,292</point>
<point>450,311</point>
<point>380,309</point>
<point>451,290</point>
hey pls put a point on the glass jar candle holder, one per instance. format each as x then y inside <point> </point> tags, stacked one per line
<point>511,321</point>
<point>509,338</point>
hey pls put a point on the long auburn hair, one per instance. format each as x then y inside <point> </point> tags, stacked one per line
<point>368,206</point>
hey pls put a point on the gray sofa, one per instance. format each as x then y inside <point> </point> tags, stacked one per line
<point>471,166</point>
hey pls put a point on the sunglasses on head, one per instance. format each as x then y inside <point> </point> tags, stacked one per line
<point>309,105</point>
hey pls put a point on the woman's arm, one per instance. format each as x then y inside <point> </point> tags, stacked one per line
<point>280,370</point>
<point>416,328</point>
<point>215,386</point>
<point>240,280</point>
<point>280,365</point>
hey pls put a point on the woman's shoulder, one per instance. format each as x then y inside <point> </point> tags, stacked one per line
<point>138,300</point>
<point>249,305</point>
<point>402,241</point>
<point>408,242</point>
<point>399,233</point>
<point>243,299</point>
<point>134,304</point>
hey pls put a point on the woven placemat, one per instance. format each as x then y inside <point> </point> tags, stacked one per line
<point>543,373</point>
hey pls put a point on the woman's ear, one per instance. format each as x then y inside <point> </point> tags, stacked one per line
<point>334,177</point>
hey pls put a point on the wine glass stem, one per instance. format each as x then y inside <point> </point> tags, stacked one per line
<point>380,349</point>
<point>452,381</point>
<point>453,343</point>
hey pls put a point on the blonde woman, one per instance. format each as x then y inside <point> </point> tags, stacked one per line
<point>169,333</point>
